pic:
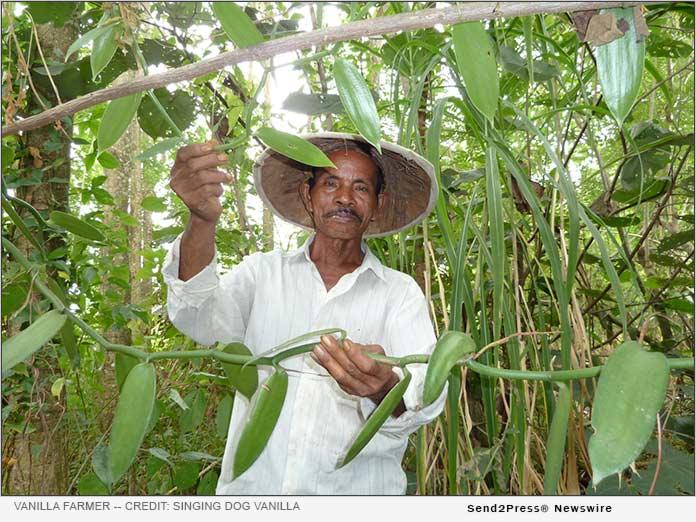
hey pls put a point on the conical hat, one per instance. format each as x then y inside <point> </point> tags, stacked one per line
<point>409,179</point>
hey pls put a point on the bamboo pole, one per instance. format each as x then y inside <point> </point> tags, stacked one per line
<point>460,12</point>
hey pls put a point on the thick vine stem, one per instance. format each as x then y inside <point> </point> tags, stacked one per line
<point>468,361</point>
<point>681,363</point>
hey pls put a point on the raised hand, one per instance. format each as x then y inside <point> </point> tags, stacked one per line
<point>195,178</point>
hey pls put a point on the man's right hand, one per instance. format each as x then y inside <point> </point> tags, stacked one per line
<point>197,181</point>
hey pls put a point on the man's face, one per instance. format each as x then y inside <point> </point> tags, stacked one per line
<point>344,200</point>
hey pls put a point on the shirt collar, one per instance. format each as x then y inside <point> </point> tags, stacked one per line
<point>370,261</point>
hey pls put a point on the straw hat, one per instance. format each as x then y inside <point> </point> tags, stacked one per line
<point>409,182</point>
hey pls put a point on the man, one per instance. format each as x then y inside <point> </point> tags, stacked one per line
<point>332,281</point>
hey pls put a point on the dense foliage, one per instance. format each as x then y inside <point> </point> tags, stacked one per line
<point>554,221</point>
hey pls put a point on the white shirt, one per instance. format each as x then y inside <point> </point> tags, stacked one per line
<point>271,297</point>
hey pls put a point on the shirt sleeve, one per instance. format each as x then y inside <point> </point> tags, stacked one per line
<point>409,332</point>
<point>210,308</point>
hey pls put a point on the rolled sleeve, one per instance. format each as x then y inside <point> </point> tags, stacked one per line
<point>208,308</point>
<point>194,291</point>
<point>409,332</point>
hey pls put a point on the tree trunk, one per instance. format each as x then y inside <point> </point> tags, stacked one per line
<point>41,459</point>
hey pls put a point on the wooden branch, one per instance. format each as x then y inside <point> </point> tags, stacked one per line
<point>460,12</point>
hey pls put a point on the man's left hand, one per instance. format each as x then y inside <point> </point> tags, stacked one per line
<point>355,372</point>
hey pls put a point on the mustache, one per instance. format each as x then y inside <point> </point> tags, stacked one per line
<point>343,211</point>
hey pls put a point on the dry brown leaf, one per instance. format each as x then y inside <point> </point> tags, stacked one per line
<point>642,30</point>
<point>520,202</point>
<point>36,155</point>
<point>603,29</point>
<point>602,206</point>
<point>580,21</point>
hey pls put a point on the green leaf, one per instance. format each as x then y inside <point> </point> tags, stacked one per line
<point>158,148</point>
<point>294,147</point>
<point>198,456</point>
<point>476,62</point>
<point>67,334</point>
<point>90,485</point>
<point>244,379</point>
<point>13,297</point>
<point>176,397</point>
<point>630,393</point>
<point>186,475</point>
<point>640,170</point>
<point>180,106</point>
<point>452,178</point>
<point>75,226</point>
<point>108,160</point>
<point>158,52</point>
<point>675,240</point>
<point>676,474</point>
<point>681,305</point>
<point>358,102</point>
<point>663,46</point>
<point>620,66</point>
<point>154,204</point>
<point>616,221</point>
<point>665,260</point>
<point>236,24</point>
<point>57,386</point>
<point>411,51</point>
<point>161,454</point>
<point>124,364</point>
<point>104,47</point>
<point>649,191</point>
<point>167,233</point>
<point>135,405</point>
<point>513,63</point>
<point>207,484</point>
<point>86,38</point>
<point>100,464</point>
<point>313,104</point>
<point>117,116</point>
<point>8,156</point>
<point>21,224</point>
<point>223,415</point>
<point>193,416</point>
<point>20,347</point>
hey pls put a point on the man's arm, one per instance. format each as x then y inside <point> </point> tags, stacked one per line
<point>200,304</point>
<point>198,183</point>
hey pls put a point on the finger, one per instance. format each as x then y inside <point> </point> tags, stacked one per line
<point>337,371</point>
<point>202,198</point>
<point>365,364</point>
<point>207,161</point>
<point>211,190</point>
<point>194,150</point>
<point>205,177</point>
<point>339,354</point>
